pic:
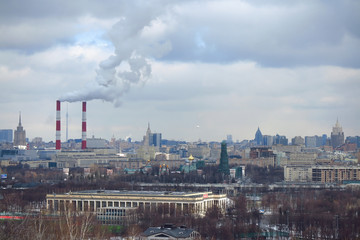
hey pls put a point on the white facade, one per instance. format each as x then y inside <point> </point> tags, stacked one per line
<point>118,203</point>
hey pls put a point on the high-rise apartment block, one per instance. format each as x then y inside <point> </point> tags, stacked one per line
<point>229,139</point>
<point>268,140</point>
<point>156,139</point>
<point>281,140</point>
<point>355,140</point>
<point>6,135</point>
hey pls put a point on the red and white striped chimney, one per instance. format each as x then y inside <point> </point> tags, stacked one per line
<point>58,124</point>
<point>83,143</point>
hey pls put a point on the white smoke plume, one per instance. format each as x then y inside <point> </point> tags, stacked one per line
<point>130,63</point>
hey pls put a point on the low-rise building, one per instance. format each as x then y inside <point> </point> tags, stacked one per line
<point>112,206</point>
<point>169,231</point>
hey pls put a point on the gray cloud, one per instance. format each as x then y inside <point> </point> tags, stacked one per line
<point>293,66</point>
<point>272,34</point>
<point>279,35</point>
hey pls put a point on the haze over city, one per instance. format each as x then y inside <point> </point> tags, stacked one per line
<point>192,69</point>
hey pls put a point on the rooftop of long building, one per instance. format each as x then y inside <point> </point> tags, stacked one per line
<point>123,193</point>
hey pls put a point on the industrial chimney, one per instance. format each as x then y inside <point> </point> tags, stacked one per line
<point>58,124</point>
<point>83,143</point>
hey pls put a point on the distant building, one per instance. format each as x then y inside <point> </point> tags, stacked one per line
<point>301,158</point>
<point>258,137</point>
<point>200,150</point>
<point>297,173</point>
<point>261,162</point>
<point>337,135</point>
<point>287,149</point>
<point>6,135</point>
<point>224,160</point>
<point>19,135</point>
<point>268,140</point>
<point>322,174</point>
<point>261,152</point>
<point>152,139</point>
<point>355,140</point>
<point>237,172</point>
<point>324,140</point>
<point>189,166</point>
<point>156,139</point>
<point>114,206</point>
<point>18,155</point>
<point>298,140</point>
<point>315,141</point>
<point>229,139</point>
<point>310,141</point>
<point>147,138</point>
<point>281,140</point>
<point>96,143</point>
<point>102,157</point>
<point>169,231</point>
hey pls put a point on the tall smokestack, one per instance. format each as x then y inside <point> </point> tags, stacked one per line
<point>83,143</point>
<point>58,124</point>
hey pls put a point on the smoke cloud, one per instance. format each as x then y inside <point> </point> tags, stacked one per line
<point>130,63</point>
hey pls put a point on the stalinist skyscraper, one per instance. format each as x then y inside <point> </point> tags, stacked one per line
<point>147,137</point>
<point>19,134</point>
<point>337,135</point>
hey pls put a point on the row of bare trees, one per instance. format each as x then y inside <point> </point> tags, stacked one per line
<point>67,226</point>
<point>309,214</point>
<point>325,214</point>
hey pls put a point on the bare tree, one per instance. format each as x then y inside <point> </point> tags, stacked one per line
<point>75,224</point>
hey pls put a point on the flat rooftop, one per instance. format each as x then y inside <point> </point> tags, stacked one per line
<point>139,193</point>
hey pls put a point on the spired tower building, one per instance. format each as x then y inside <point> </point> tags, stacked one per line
<point>337,135</point>
<point>19,134</point>
<point>259,137</point>
<point>147,138</point>
<point>224,160</point>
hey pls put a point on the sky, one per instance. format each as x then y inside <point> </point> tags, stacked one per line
<point>192,69</point>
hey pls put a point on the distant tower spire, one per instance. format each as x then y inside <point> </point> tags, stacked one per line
<point>147,136</point>
<point>19,134</point>
<point>67,123</point>
<point>19,118</point>
<point>258,137</point>
<point>337,124</point>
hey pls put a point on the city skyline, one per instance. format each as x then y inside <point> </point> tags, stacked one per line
<point>145,138</point>
<point>194,71</point>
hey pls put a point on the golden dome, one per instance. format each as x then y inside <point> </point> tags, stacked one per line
<point>191,157</point>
